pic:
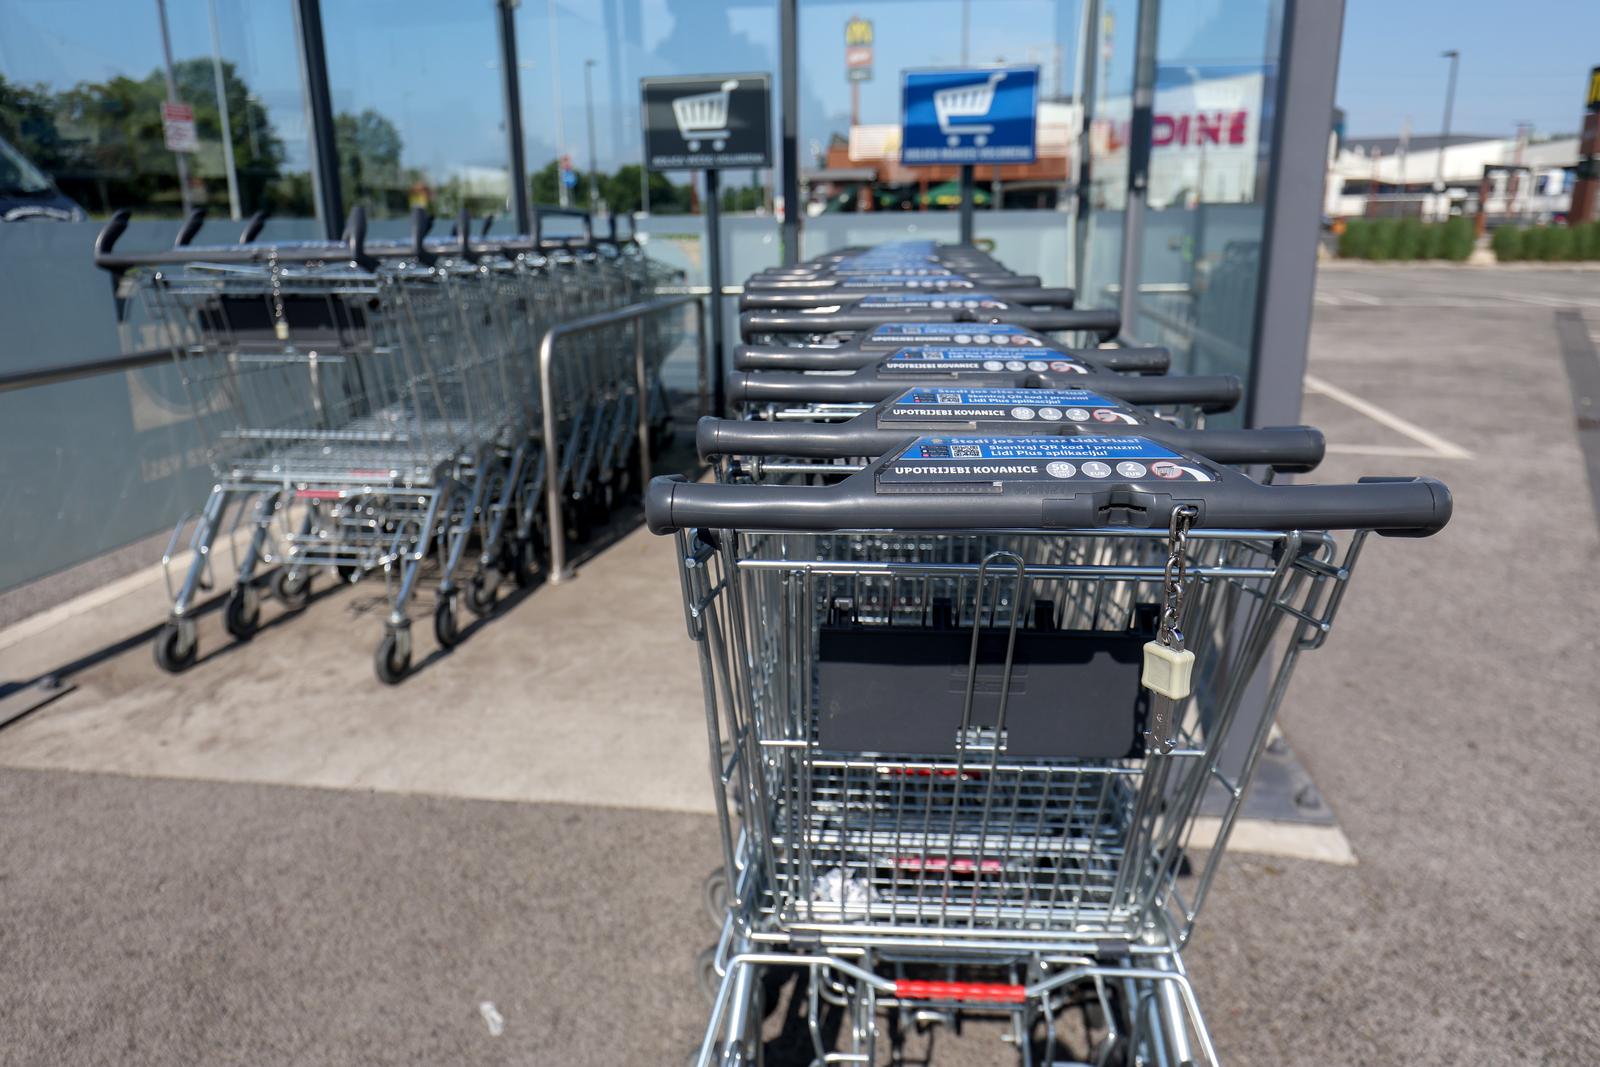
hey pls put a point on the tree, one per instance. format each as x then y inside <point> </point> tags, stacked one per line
<point>103,142</point>
<point>369,161</point>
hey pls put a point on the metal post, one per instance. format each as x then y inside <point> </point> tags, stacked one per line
<point>319,117</point>
<point>1139,134</point>
<point>172,98</point>
<point>588,110</point>
<point>789,146</point>
<point>555,93</point>
<point>1088,84</point>
<point>714,279</point>
<point>222,111</point>
<point>1449,106</point>
<point>511,87</point>
<point>1288,272</point>
<point>967,170</point>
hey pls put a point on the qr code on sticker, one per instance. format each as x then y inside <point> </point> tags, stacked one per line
<point>966,451</point>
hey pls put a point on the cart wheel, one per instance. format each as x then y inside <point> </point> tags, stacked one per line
<point>714,894</point>
<point>482,592</point>
<point>242,614</point>
<point>349,573</point>
<point>393,658</point>
<point>446,627</point>
<point>705,966</point>
<point>176,646</point>
<point>577,519</point>
<point>294,590</point>
<point>522,561</point>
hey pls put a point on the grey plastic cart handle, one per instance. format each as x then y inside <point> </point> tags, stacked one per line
<point>1105,323</point>
<point>787,357</point>
<point>775,298</point>
<point>833,284</point>
<point>1130,359</point>
<point>1403,507</point>
<point>1288,449</point>
<point>1210,393</point>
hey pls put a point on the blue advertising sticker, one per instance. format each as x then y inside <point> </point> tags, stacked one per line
<point>952,333</point>
<point>968,460</point>
<point>969,116</point>
<point>903,281</point>
<point>989,359</point>
<point>928,301</point>
<point>1042,409</point>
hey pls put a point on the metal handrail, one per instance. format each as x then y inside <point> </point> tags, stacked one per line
<point>70,372</point>
<point>552,446</point>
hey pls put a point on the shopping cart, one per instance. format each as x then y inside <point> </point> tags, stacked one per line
<point>957,759</point>
<point>957,107</point>
<point>704,116</point>
<point>369,408</point>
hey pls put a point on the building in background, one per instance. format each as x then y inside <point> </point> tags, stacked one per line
<point>1526,178</point>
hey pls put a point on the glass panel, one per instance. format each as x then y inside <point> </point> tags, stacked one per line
<point>1201,251</point>
<point>82,84</point>
<point>418,110</point>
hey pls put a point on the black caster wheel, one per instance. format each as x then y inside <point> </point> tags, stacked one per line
<point>349,573</point>
<point>578,514</point>
<point>242,614</point>
<point>482,592</point>
<point>705,968</point>
<point>176,646</point>
<point>292,588</point>
<point>522,561</point>
<point>446,626</point>
<point>715,896</point>
<point>393,658</point>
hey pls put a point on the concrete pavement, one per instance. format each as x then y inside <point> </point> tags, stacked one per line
<point>273,859</point>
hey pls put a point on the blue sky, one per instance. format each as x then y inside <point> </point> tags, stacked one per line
<point>432,67</point>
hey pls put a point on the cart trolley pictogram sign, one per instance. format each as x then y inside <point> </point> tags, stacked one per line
<point>969,116</point>
<point>706,122</point>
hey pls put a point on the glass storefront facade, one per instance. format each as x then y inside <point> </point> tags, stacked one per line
<point>419,117</point>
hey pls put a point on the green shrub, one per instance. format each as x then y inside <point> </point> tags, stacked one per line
<point>1409,240</point>
<point>1380,245</point>
<point>1560,244</point>
<point>1587,239</point>
<point>1454,240</point>
<point>1509,243</point>
<point>1355,240</point>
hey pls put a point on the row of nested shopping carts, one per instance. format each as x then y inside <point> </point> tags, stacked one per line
<point>989,622</point>
<point>374,410</point>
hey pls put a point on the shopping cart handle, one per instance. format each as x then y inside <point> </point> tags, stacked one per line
<point>252,229</point>
<point>1286,449</point>
<point>1210,393</point>
<point>1132,359</point>
<point>544,211</point>
<point>191,226</point>
<point>464,235</point>
<point>1399,507</point>
<point>105,242</point>
<point>421,223</point>
<point>355,236</point>
<point>1105,323</point>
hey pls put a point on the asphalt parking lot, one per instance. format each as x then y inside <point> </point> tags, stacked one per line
<point>272,859</point>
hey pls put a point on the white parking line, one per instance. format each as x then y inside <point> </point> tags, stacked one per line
<point>1439,447</point>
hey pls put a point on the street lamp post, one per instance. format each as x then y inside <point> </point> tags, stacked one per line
<point>588,108</point>
<point>555,91</point>
<point>1449,105</point>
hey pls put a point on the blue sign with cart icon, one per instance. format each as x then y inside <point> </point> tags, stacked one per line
<point>985,115</point>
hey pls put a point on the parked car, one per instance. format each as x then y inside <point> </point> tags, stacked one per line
<point>27,193</point>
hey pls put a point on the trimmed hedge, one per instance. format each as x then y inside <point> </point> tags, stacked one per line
<point>1548,244</point>
<point>1406,239</point>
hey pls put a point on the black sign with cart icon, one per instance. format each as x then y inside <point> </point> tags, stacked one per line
<point>707,122</point>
